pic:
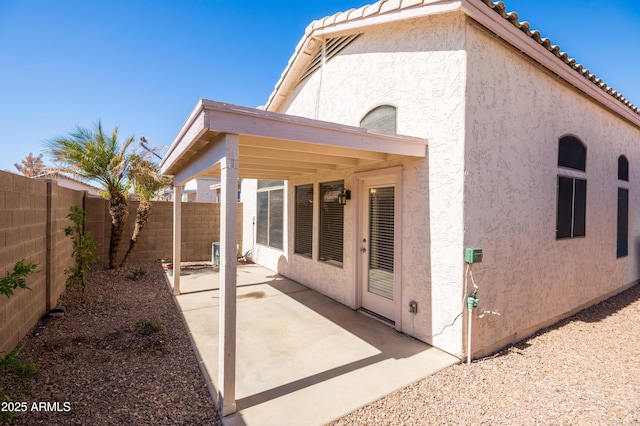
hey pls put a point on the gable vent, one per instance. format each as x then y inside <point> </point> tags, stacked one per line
<point>333,46</point>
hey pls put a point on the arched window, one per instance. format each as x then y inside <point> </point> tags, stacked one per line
<point>572,153</point>
<point>572,190</point>
<point>623,168</point>
<point>381,118</point>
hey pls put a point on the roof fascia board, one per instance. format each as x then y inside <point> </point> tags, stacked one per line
<point>206,158</point>
<point>193,129</point>
<point>227,118</point>
<point>296,62</point>
<point>508,32</point>
<point>186,127</point>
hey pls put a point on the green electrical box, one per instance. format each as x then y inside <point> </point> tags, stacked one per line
<point>472,255</point>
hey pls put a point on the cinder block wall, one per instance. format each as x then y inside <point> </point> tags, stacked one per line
<point>31,231</point>
<point>61,201</point>
<point>200,228</point>
<point>33,215</point>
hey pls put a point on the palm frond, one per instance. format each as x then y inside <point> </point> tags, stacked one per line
<point>90,154</point>
<point>146,176</point>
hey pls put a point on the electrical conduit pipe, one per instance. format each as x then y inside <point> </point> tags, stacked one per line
<point>472,303</point>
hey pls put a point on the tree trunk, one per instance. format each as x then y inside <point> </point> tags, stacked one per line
<point>119,211</point>
<point>142,217</point>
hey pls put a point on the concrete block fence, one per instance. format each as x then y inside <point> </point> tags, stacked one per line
<point>200,228</point>
<point>33,215</point>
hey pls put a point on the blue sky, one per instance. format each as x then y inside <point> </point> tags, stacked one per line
<point>143,65</point>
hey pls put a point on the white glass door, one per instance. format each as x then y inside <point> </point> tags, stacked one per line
<point>377,248</point>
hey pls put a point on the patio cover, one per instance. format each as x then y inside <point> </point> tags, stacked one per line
<point>231,142</point>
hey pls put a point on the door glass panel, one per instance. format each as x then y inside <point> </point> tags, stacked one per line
<point>381,238</point>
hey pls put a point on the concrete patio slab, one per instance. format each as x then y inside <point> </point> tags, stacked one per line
<point>302,358</point>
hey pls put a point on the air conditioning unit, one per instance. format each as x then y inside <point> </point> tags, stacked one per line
<point>215,254</point>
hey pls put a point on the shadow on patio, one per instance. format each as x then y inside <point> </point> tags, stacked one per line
<point>302,358</point>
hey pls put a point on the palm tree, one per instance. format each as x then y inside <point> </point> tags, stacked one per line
<point>147,181</point>
<point>92,154</point>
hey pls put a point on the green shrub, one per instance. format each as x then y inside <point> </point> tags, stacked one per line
<point>138,274</point>
<point>14,377</point>
<point>147,327</point>
<point>16,278</point>
<point>85,250</point>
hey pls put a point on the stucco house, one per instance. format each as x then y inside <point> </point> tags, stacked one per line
<point>405,132</point>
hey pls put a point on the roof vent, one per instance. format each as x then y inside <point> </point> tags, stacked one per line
<point>333,46</point>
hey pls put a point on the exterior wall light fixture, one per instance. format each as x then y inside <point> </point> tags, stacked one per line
<point>343,196</point>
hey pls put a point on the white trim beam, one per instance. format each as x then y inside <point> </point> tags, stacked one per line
<point>307,166</point>
<point>291,156</point>
<point>290,169</point>
<point>278,136</point>
<point>186,138</point>
<point>228,272</point>
<point>207,157</point>
<point>235,119</point>
<point>177,237</point>
<point>379,154</point>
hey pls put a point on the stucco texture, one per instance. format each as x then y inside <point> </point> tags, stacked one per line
<point>516,112</point>
<point>419,67</point>
<point>492,118</point>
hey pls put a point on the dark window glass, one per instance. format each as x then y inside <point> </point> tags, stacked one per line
<point>304,220</point>
<point>262,219</point>
<point>276,200</point>
<point>572,153</point>
<point>572,206</point>
<point>579,207</point>
<point>270,213</point>
<point>565,207</point>
<point>623,168</point>
<point>331,223</point>
<point>623,223</point>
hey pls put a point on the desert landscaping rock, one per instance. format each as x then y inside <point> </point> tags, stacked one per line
<point>95,359</point>
<point>584,370</point>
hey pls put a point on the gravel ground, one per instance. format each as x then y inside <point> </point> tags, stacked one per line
<point>111,369</point>
<point>585,370</point>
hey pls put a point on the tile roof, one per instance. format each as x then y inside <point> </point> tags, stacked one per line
<point>388,6</point>
<point>500,8</point>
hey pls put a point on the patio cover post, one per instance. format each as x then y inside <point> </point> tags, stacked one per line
<point>228,269</point>
<point>177,237</point>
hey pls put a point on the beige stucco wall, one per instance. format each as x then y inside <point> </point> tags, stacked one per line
<point>493,119</point>
<point>420,68</point>
<point>515,114</point>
